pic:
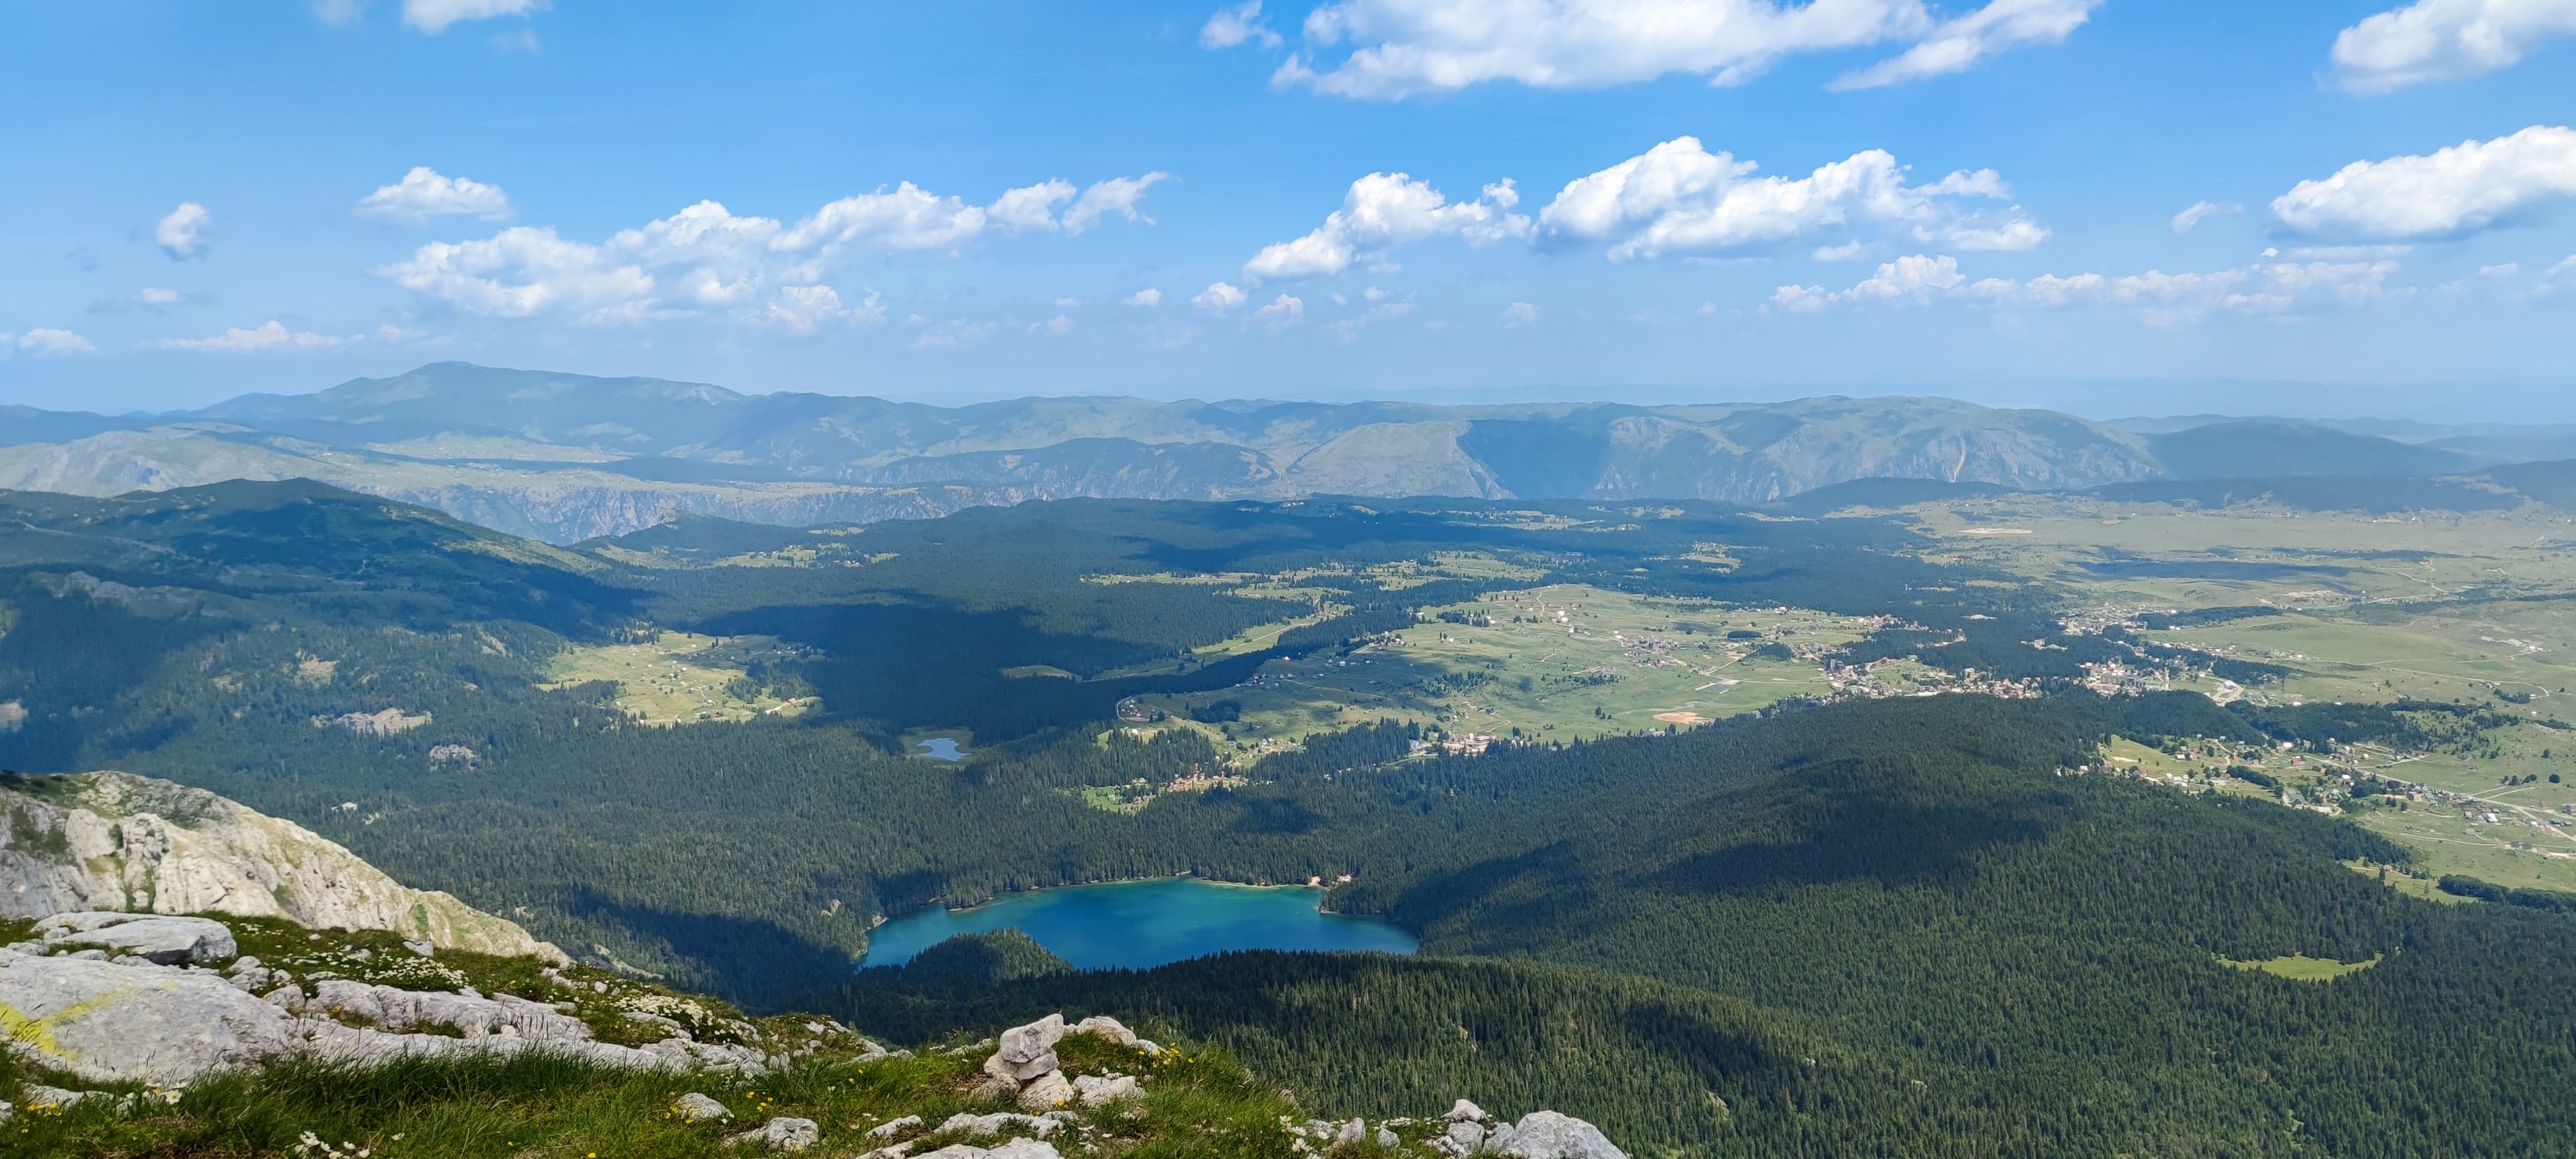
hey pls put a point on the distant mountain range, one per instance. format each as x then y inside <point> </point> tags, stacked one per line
<point>566,457</point>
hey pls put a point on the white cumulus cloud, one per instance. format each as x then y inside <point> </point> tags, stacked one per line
<point>272,335</point>
<point>1118,195</point>
<point>707,260</point>
<point>806,309</point>
<point>2200,211</point>
<point>433,16</point>
<point>1388,209</point>
<point>424,193</point>
<point>1680,198</point>
<point>182,234</point>
<point>1149,296</point>
<point>1519,314</point>
<point>1283,309</point>
<point>1031,209</point>
<point>1235,25</point>
<point>1220,297</point>
<point>2433,40</point>
<point>1917,277</point>
<point>1400,48</point>
<point>1961,44</point>
<point>46,343</point>
<point>2265,288</point>
<point>2468,187</point>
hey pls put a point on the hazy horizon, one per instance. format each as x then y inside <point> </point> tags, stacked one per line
<point>2431,404</point>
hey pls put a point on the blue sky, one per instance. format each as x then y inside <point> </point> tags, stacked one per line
<point>1708,199</point>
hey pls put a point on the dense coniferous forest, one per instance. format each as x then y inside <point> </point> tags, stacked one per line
<point>1894,927</point>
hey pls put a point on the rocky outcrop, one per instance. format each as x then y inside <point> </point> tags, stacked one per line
<point>1024,1068</point>
<point>119,843</point>
<point>781,1134</point>
<point>1467,1130</point>
<point>132,1020</point>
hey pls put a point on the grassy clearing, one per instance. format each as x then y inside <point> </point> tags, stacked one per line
<point>1563,662</point>
<point>2463,656</point>
<point>681,678</point>
<point>2301,968</point>
<point>1249,640</point>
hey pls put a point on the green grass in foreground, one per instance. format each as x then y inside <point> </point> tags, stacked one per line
<point>1197,1103</point>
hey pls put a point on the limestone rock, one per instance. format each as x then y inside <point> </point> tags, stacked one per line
<point>473,1016</point>
<point>162,941</point>
<point>1015,1149</point>
<point>893,1127</point>
<point>1106,1027</point>
<point>1465,1112</point>
<point>114,842</point>
<point>41,1097</point>
<point>1046,1092</point>
<point>109,1023</point>
<point>1388,1139</point>
<point>1029,1051</point>
<point>1549,1135</point>
<point>995,1124</point>
<point>782,1134</point>
<point>1097,1090</point>
<point>697,1108</point>
<point>106,1022</point>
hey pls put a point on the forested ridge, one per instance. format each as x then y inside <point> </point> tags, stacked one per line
<point>1909,892</point>
<point>1899,927</point>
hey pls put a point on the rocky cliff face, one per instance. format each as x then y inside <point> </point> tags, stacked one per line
<point>114,842</point>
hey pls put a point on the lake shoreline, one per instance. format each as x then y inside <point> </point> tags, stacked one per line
<point>1143,922</point>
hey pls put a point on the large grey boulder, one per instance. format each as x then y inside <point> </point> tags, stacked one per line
<point>1015,1149</point>
<point>1100,1090</point>
<point>166,941</point>
<point>109,1023</point>
<point>1047,1092</point>
<point>1025,1052</point>
<point>473,1016</point>
<point>995,1124</point>
<point>697,1108</point>
<point>1549,1135</point>
<point>782,1134</point>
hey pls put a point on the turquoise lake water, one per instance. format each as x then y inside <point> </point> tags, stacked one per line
<point>941,748</point>
<point>1137,924</point>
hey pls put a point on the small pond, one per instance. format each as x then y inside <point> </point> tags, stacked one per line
<point>1138,924</point>
<point>941,748</point>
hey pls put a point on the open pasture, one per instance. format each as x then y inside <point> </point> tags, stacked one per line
<point>2182,557</point>
<point>2519,657</point>
<point>683,678</point>
<point>1563,662</point>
